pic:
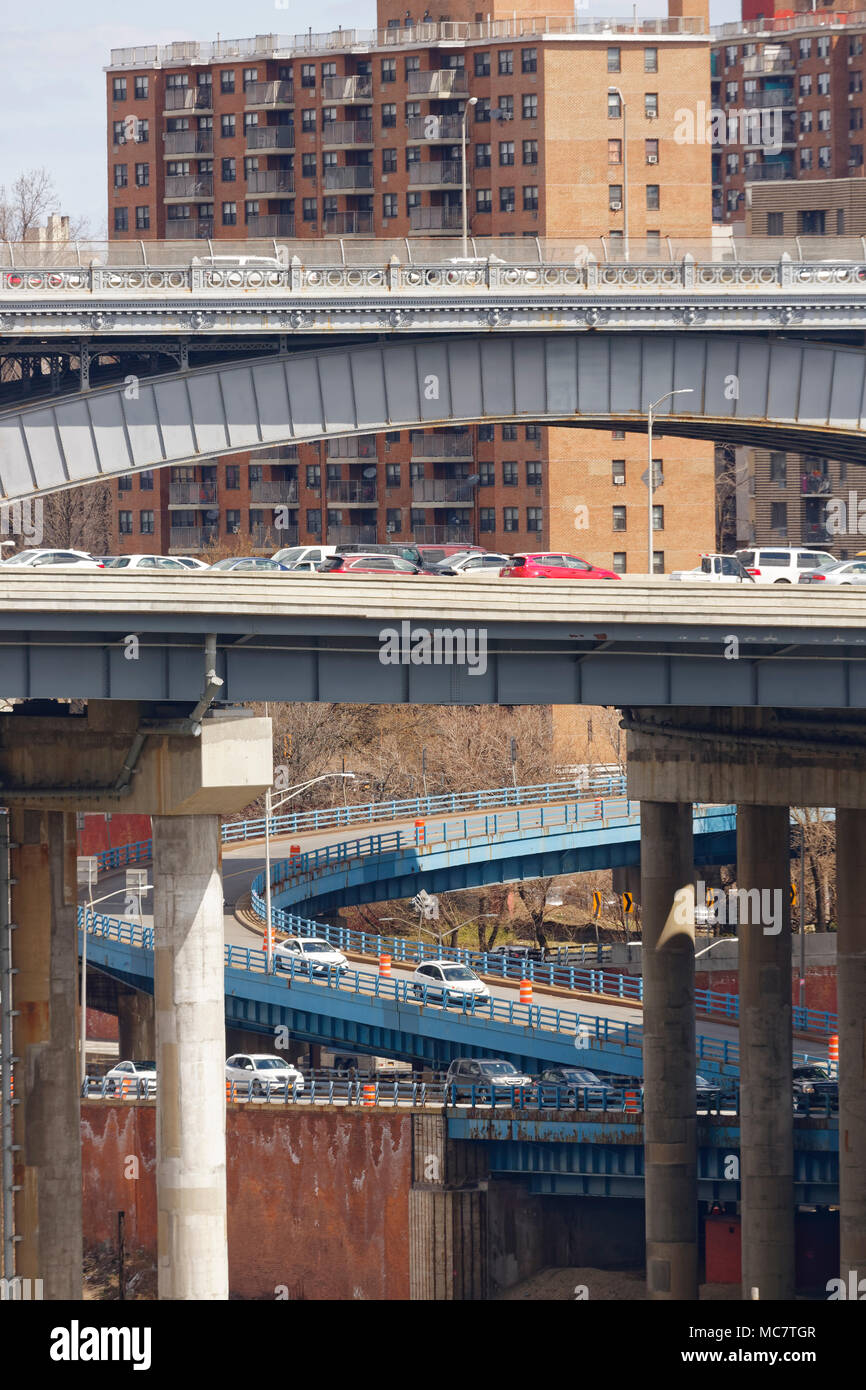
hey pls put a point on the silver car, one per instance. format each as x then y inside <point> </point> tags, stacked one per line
<point>843,572</point>
<point>447,982</point>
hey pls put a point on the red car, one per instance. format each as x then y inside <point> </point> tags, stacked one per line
<point>367,564</point>
<point>552,566</point>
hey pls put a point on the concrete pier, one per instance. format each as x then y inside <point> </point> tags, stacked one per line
<point>136,1026</point>
<point>851,968</point>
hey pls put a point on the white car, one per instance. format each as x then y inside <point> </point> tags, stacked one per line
<point>474,566</point>
<point>314,951</point>
<point>715,569</point>
<point>447,982</point>
<point>294,554</point>
<point>54,559</point>
<point>143,562</point>
<point>131,1079</point>
<point>260,1070</point>
<point>189,562</point>
<point>781,564</point>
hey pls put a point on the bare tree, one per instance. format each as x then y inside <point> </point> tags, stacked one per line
<point>28,202</point>
<point>79,518</point>
<point>533,894</point>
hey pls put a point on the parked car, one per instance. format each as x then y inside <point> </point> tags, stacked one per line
<point>433,555</point>
<point>472,566</point>
<point>842,572</point>
<point>575,1083</point>
<point>189,562</point>
<point>142,562</point>
<point>485,1077</point>
<point>250,564</point>
<point>131,1079</point>
<point>509,959</point>
<point>814,1087</point>
<point>53,559</point>
<point>781,564</point>
<point>716,569</point>
<point>447,982</point>
<point>320,955</point>
<point>293,554</point>
<point>350,565</point>
<point>261,1069</point>
<point>708,1093</point>
<point>552,566</point>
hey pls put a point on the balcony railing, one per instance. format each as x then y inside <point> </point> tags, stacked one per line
<point>271,537</point>
<point>432,128</point>
<point>284,454</point>
<point>768,173</point>
<point>349,176</point>
<point>189,228</point>
<point>443,82</point>
<point>815,485</point>
<point>270,137</point>
<point>360,446</point>
<point>757,63</point>
<point>343,133</point>
<point>443,444</point>
<point>351,535</point>
<point>271,181</point>
<point>352,493</point>
<point>278,224</point>
<point>189,98</point>
<point>269,94</point>
<point>442,491</point>
<point>189,186</point>
<point>753,100</point>
<point>278,490</point>
<point>188,142</point>
<point>192,494</point>
<point>347,89</point>
<point>441,535</point>
<point>441,219</point>
<point>348,223</point>
<point>816,533</point>
<point>435,171</point>
<point>183,538</point>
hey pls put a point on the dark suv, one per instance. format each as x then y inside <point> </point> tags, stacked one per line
<point>815,1089</point>
<point>484,1079</point>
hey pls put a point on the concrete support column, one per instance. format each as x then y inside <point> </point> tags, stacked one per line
<point>851,970</point>
<point>766,1087</point>
<point>670,1127</point>
<point>136,1026</point>
<point>47,1118</point>
<point>448,1213</point>
<point>190,1058</point>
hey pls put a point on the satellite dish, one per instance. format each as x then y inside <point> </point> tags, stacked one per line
<point>368,473</point>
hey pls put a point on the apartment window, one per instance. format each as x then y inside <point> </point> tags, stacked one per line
<point>392,475</point>
<point>614,152</point>
<point>251,75</point>
<point>142,88</point>
<point>482,156</point>
<point>486,474</point>
<point>145,523</point>
<point>805,84</point>
<point>413,110</point>
<point>329,115</point>
<point>855,155</point>
<point>506,108</point>
<point>824,46</point>
<point>779,518</point>
<point>117,135</point>
<point>618,562</point>
<point>389,161</point>
<point>731,56</point>
<point>314,523</point>
<point>487,518</point>
<point>652,197</point>
<point>651,105</point>
<point>389,69</point>
<point>650,60</point>
<point>506,151</point>
<point>229,170</point>
<point>412,64</point>
<point>776,223</point>
<point>142,219</point>
<point>413,200</point>
<point>416,472</point>
<point>233,521</point>
<point>617,434</point>
<point>823,84</point>
<point>483,200</point>
<point>530,106</point>
<point>658,517</point>
<point>227,127</point>
<point>506,200</point>
<point>510,519</point>
<point>482,64</point>
<point>389,114</point>
<point>392,436</point>
<point>509,474</point>
<point>618,518</point>
<point>533,473</point>
<point>309,211</point>
<point>389,205</point>
<point>251,118</point>
<point>530,197</point>
<point>530,151</point>
<point>416,518</point>
<point>855,119</point>
<point>227,81</point>
<point>614,197</point>
<point>308,166</point>
<point>393,520</point>
<point>142,175</point>
<point>805,49</point>
<point>230,214</point>
<point>330,69</point>
<point>732,199</point>
<point>413,155</point>
<point>509,432</point>
<point>251,209</point>
<point>121,219</point>
<point>855,47</point>
<point>145,480</point>
<point>805,122</point>
<point>533,519</point>
<point>529,60</point>
<point>118,89</point>
<point>124,484</point>
<point>485,434</point>
<point>314,475</point>
<point>308,119</point>
<point>233,477</point>
<point>614,60</point>
<point>824,157</point>
<point>658,562</point>
<point>617,471</point>
<point>120,176</point>
<point>482,110</point>
<point>179,212</point>
<point>732,163</point>
<point>779,469</point>
<point>124,523</point>
<point>308,74</point>
<point>614,106</point>
<point>506,62</point>
<point>731,92</point>
<point>651,151</point>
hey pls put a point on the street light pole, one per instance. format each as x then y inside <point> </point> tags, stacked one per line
<point>473,101</point>
<point>682,391</point>
<point>622,107</point>
<point>91,904</point>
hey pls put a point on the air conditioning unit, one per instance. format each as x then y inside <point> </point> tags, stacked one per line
<point>615,206</point>
<point>652,115</point>
<point>652,159</point>
<point>619,482</point>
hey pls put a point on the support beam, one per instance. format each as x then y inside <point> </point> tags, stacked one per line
<point>136,1026</point>
<point>851,971</point>
<point>670,1126</point>
<point>47,1118</point>
<point>766,1086</point>
<point>190,1058</point>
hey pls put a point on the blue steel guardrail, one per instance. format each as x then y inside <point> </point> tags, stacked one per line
<point>540,1017</point>
<point>295,822</point>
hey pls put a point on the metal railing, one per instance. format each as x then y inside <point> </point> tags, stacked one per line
<point>352,493</point>
<point>343,133</point>
<point>270,137</point>
<point>189,186</point>
<point>271,181</point>
<point>276,224</point>
<point>275,491</point>
<point>429,128</point>
<point>347,223</point>
<point>191,537</point>
<point>434,171</point>
<point>192,494</point>
<point>340,89</point>
<point>361,446</point>
<point>443,490</point>
<point>352,535</point>
<point>442,535</point>
<point>444,444</point>
<point>439,82</point>
<point>348,176</point>
<point>440,219</point>
<point>198,98</point>
<point>188,142</point>
<point>281,93</point>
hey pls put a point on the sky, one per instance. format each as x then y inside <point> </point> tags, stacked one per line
<point>52,92</point>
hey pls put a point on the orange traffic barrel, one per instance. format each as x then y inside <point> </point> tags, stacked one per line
<point>228,1091</point>
<point>369,1093</point>
<point>632,1101</point>
<point>419,831</point>
<point>833,1049</point>
<point>385,965</point>
<point>294,849</point>
<point>526,991</point>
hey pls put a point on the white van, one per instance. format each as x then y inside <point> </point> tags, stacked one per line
<point>781,564</point>
<point>304,557</point>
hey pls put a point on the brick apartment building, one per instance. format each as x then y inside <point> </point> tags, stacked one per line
<point>358,135</point>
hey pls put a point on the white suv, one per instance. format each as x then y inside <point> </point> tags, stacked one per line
<point>781,564</point>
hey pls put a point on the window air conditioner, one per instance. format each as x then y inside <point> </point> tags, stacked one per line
<point>652,159</point>
<point>619,482</point>
<point>652,115</point>
<point>615,206</point>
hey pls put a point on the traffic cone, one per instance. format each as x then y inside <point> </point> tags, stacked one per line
<point>369,1093</point>
<point>385,966</point>
<point>833,1052</point>
<point>526,991</point>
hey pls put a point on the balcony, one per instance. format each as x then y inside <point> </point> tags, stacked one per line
<point>352,493</point>
<point>278,491</point>
<point>347,89</point>
<point>274,181</point>
<point>442,444</point>
<point>815,485</point>
<point>428,129</point>
<point>183,186</point>
<point>192,495</point>
<point>435,173</point>
<point>361,446</point>
<point>442,492</point>
<point>286,453</point>
<point>762,100</point>
<point>444,82</point>
<point>278,224</point>
<point>182,539</point>
<point>272,537</point>
<point>269,94</point>
<point>347,134</point>
<point>758,64</point>
<point>441,219</point>
<point>189,98</point>
<point>442,535</point>
<point>188,228</point>
<point>351,535</point>
<point>348,177</point>
<point>188,142</point>
<point>270,137</point>
<point>816,533</point>
<point>764,173</point>
<point>348,223</point>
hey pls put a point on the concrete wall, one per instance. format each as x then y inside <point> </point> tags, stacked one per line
<point>528,1233</point>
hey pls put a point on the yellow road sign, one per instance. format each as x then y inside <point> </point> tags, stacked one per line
<point>794,896</point>
<point>596,903</point>
<point>628,902</point>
